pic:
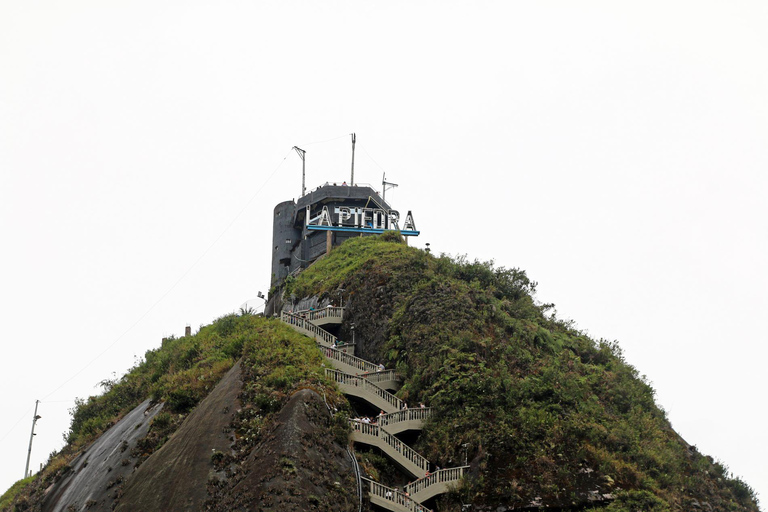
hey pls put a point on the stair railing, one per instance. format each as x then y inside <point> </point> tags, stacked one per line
<point>443,476</point>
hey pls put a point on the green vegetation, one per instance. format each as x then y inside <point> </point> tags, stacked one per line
<point>547,414</point>
<point>276,362</point>
<point>7,498</point>
<point>544,410</point>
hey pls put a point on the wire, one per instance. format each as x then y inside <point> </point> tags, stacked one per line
<point>15,425</point>
<point>176,283</point>
<point>372,160</point>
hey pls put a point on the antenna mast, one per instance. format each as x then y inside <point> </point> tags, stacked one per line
<point>352,179</point>
<point>301,154</point>
<point>384,185</point>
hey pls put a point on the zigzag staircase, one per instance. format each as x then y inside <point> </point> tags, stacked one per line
<point>367,381</point>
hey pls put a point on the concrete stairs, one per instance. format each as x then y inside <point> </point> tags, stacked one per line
<point>367,381</point>
<point>391,498</point>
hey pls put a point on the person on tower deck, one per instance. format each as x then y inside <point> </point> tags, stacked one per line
<point>344,184</point>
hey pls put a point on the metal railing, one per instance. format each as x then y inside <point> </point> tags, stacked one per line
<point>394,496</point>
<point>363,384</point>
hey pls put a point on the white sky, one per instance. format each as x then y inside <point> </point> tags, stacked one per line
<point>616,152</point>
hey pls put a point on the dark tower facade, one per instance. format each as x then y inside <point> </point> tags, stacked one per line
<point>304,230</point>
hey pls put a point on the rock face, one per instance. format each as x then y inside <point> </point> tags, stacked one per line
<point>175,477</point>
<point>97,473</point>
<point>299,466</point>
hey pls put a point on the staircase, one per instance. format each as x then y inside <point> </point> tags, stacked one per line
<point>372,383</point>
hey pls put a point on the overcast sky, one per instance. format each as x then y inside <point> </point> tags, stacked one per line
<point>615,151</point>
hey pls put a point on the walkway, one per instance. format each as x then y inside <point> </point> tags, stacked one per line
<point>370,382</point>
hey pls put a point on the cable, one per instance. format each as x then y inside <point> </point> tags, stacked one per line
<point>15,425</point>
<point>372,160</point>
<point>356,469</point>
<point>173,286</point>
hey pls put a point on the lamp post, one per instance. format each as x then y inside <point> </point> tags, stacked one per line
<point>341,297</point>
<point>352,327</point>
<point>35,417</point>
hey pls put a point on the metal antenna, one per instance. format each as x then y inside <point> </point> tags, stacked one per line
<point>35,417</point>
<point>352,178</point>
<point>385,184</point>
<point>301,153</point>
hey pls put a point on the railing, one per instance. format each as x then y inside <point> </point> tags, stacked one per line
<point>382,376</point>
<point>350,360</point>
<point>443,476</point>
<point>348,347</point>
<point>397,445</point>
<point>371,373</point>
<point>360,382</point>
<point>419,414</point>
<point>317,314</point>
<point>321,335</point>
<point>389,494</point>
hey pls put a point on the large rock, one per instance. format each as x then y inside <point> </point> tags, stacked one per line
<point>298,466</point>
<point>175,477</point>
<point>96,476</point>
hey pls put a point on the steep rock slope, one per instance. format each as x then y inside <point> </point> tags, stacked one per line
<point>178,472</point>
<point>222,434</point>
<point>97,474</point>
<point>297,466</point>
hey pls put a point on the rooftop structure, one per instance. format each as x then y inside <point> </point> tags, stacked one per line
<point>304,230</point>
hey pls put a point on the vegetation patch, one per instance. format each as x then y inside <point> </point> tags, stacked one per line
<point>545,415</point>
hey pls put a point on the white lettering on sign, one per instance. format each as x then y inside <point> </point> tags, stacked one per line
<point>344,214</point>
<point>393,218</point>
<point>409,225</point>
<point>360,218</point>
<point>325,218</point>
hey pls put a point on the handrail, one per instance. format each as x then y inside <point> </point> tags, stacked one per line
<point>408,453</point>
<point>331,349</point>
<point>394,495</point>
<point>419,414</point>
<point>382,376</point>
<point>317,314</point>
<point>319,334</point>
<point>361,382</point>
<point>358,479</point>
<point>442,476</point>
<point>350,360</point>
